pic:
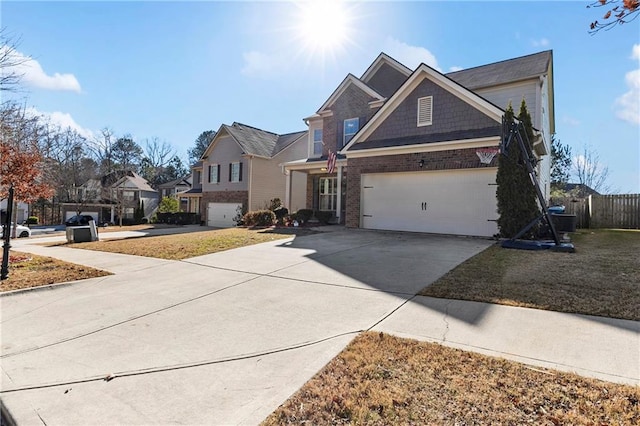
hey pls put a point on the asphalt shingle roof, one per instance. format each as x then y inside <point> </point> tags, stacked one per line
<point>502,72</point>
<point>259,142</point>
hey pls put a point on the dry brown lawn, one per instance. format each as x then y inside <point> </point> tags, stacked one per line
<point>383,380</point>
<point>183,246</point>
<point>29,270</point>
<point>601,278</point>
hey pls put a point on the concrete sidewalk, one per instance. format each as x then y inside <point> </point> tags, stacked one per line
<point>603,348</point>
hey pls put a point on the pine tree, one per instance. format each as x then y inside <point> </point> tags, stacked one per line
<point>517,199</point>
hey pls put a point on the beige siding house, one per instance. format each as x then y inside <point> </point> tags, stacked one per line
<point>242,170</point>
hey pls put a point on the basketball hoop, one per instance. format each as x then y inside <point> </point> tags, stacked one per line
<point>486,154</point>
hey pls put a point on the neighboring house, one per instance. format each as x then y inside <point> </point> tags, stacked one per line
<point>21,213</point>
<point>193,196</point>
<point>243,169</point>
<point>577,190</point>
<point>117,192</point>
<point>408,142</point>
<point>174,189</point>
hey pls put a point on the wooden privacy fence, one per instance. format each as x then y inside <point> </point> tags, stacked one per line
<point>604,211</point>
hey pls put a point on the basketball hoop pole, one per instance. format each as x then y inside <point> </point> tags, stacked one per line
<point>516,130</point>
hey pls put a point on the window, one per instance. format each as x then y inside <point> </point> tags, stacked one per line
<point>214,173</point>
<point>317,142</point>
<point>328,194</point>
<point>425,111</point>
<point>235,172</point>
<point>351,127</point>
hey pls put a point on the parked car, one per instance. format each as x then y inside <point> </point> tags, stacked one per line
<point>21,231</point>
<point>79,220</point>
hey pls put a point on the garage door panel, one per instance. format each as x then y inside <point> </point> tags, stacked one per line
<point>220,215</point>
<point>452,202</point>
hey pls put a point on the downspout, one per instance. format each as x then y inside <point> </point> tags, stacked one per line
<point>250,183</point>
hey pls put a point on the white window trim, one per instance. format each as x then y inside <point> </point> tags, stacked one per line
<point>235,166</point>
<point>313,142</point>
<point>344,128</point>
<point>332,196</point>
<point>213,168</point>
<point>425,102</point>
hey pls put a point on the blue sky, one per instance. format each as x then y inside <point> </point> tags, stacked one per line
<point>174,69</point>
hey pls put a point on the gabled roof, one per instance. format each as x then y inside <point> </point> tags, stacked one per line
<point>425,72</point>
<point>348,80</point>
<point>136,181</point>
<point>176,182</point>
<point>383,58</point>
<point>257,142</point>
<point>508,71</point>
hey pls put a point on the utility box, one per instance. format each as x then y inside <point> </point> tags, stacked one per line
<point>564,222</point>
<point>79,234</point>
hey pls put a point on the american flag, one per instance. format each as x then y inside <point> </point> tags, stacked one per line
<point>331,162</point>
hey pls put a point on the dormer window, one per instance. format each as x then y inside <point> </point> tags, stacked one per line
<point>351,127</point>
<point>425,111</point>
<point>317,142</point>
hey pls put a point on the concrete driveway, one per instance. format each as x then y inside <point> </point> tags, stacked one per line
<point>218,339</point>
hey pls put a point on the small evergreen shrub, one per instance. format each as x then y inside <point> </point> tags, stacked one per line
<point>32,220</point>
<point>259,218</point>
<point>280,213</point>
<point>323,217</point>
<point>239,217</point>
<point>304,215</point>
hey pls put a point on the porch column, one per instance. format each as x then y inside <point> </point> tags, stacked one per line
<point>113,218</point>
<point>287,189</point>
<point>339,196</point>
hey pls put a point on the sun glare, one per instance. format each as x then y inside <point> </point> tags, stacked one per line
<point>324,25</point>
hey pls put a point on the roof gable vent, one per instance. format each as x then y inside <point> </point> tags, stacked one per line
<point>425,111</point>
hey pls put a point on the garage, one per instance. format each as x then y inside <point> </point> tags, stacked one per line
<point>461,202</point>
<point>220,215</point>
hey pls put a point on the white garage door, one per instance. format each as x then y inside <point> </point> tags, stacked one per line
<point>458,202</point>
<point>221,215</point>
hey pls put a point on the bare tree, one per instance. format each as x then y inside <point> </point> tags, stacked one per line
<point>102,148</point>
<point>156,157</point>
<point>589,171</point>
<point>10,62</point>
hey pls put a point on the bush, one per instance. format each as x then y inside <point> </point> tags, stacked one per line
<point>259,218</point>
<point>280,213</point>
<point>239,217</point>
<point>274,204</point>
<point>323,217</point>
<point>304,215</point>
<point>32,220</point>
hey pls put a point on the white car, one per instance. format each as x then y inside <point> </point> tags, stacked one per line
<point>21,231</point>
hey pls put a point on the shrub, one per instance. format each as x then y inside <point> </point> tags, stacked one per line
<point>280,213</point>
<point>32,220</point>
<point>239,217</point>
<point>323,217</point>
<point>304,215</point>
<point>259,218</point>
<point>275,204</point>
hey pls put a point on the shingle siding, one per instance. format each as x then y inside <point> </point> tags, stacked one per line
<point>352,103</point>
<point>386,80</point>
<point>450,114</point>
